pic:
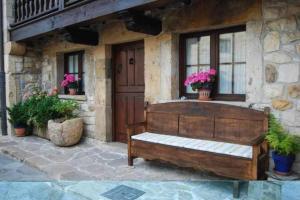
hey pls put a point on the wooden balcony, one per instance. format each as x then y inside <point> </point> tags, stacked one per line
<point>37,17</point>
<point>27,10</point>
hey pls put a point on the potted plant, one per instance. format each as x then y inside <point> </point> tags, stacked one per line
<point>284,145</point>
<point>203,82</point>
<point>71,83</point>
<point>67,129</point>
<point>18,118</point>
<point>40,111</point>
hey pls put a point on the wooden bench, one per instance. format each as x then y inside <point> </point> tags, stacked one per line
<point>224,139</point>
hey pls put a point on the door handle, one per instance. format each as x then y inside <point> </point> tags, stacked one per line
<point>131,61</point>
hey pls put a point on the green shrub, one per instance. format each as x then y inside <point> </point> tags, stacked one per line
<point>280,140</point>
<point>38,109</point>
<point>65,108</point>
<point>18,115</point>
<point>42,108</point>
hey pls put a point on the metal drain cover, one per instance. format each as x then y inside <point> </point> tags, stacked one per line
<point>123,192</point>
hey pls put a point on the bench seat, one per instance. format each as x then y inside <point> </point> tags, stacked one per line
<point>225,148</point>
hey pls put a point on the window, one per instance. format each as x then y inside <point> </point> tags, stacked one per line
<point>223,50</point>
<point>74,65</point>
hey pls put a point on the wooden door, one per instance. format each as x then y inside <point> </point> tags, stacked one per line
<point>129,87</point>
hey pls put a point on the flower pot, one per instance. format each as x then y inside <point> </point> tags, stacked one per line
<point>20,130</point>
<point>72,91</point>
<point>66,133</point>
<point>204,95</point>
<point>283,164</point>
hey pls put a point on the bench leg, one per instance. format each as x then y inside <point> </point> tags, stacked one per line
<point>130,161</point>
<point>236,189</point>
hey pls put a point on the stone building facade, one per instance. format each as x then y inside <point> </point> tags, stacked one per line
<point>272,59</point>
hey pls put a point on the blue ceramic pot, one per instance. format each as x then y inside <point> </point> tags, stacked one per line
<point>283,164</point>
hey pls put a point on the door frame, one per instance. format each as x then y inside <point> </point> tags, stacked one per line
<point>113,83</point>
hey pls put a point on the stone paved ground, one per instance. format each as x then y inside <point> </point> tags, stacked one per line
<point>12,170</point>
<point>92,190</point>
<point>92,160</point>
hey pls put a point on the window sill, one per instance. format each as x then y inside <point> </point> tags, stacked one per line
<point>73,97</point>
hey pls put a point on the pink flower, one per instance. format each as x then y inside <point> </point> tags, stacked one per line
<point>212,72</point>
<point>201,77</point>
<point>64,83</point>
<point>69,78</point>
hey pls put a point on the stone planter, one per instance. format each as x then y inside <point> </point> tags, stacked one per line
<point>41,132</point>
<point>65,133</point>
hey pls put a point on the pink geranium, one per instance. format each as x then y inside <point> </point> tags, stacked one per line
<point>212,72</point>
<point>69,81</point>
<point>202,79</point>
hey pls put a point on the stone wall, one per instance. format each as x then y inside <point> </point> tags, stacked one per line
<point>281,56</point>
<point>280,39</point>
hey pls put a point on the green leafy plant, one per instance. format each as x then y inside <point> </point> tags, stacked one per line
<point>42,108</point>
<point>18,114</point>
<point>39,110</point>
<point>65,108</point>
<point>280,140</point>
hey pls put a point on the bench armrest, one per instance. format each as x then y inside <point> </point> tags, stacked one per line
<point>131,127</point>
<point>257,140</point>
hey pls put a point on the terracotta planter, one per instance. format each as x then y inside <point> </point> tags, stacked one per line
<point>66,133</point>
<point>20,132</point>
<point>72,91</point>
<point>204,95</point>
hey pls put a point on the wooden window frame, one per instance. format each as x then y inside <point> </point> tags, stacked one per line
<point>214,62</point>
<point>80,68</point>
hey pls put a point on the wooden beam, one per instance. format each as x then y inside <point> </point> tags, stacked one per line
<point>65,18</point>
<point>138,22</point>
<point>81,36</point>
<point>186,2</point>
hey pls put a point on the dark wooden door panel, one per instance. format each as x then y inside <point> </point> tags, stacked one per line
<point>129,87</point>
<point>120,69</point>
<point>139,71</point>
<point>129,109</point>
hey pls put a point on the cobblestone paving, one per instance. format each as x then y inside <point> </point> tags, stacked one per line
<point>92,160</point>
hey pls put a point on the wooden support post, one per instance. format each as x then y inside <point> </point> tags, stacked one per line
<point>255,155</point>
<point>130,158</point>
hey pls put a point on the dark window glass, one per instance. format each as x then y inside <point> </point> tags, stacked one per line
<point>74,66</point>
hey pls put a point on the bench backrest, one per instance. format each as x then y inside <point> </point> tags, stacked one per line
<point>206,121</point>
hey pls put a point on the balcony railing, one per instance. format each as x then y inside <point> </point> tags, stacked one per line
<point>27,10</point>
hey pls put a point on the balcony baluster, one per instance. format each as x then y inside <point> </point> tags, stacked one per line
<point>27,10</point>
